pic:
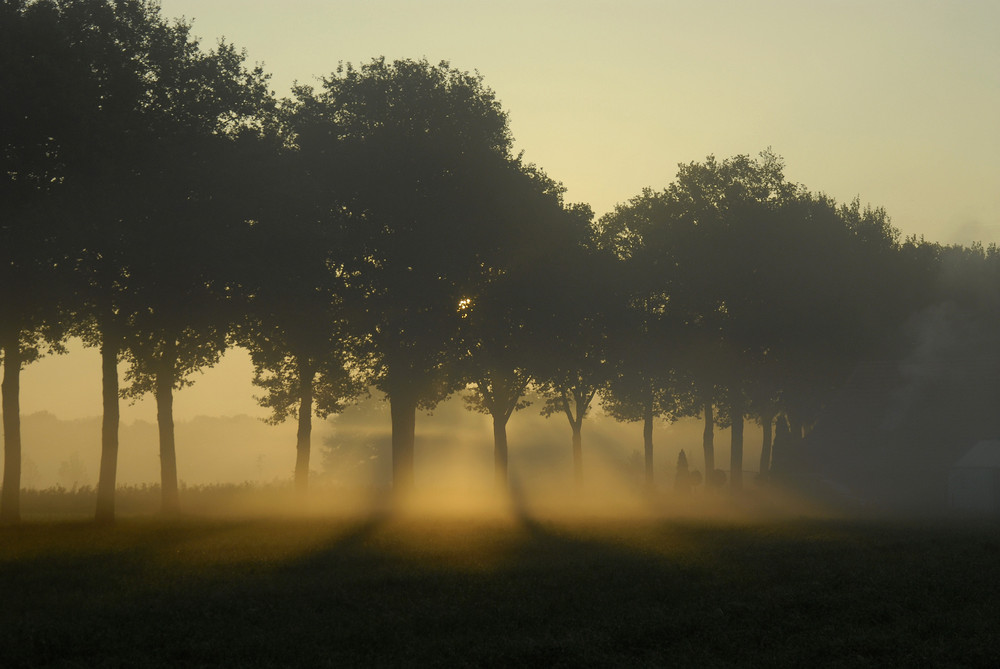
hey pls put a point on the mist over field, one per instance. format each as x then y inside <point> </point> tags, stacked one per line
<point>455,451</point>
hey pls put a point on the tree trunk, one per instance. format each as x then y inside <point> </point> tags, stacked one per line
<point>582,397</point>
<point>793,455</point>
<point>165,422</point>
<point>767,425</point>
<point>736,447</point>
<point>107,482</point>
<point>793,449</point>
<point>500,450</point>
<point>303,437</point>
<point>708,442</point>
<point>403,409</point>
<point>647,444</point>
<point>795,427</point>
<point>578,453</point>
<point>10,504</point>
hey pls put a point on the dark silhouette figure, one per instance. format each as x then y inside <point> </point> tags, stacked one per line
<point>682,479</point>
<point>781,449</point>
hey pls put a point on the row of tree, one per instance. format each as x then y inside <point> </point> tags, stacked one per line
<point>379,231</point>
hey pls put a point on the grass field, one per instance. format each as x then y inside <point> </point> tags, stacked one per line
<point>406,590</point>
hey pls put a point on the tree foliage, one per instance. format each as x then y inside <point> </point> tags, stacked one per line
<point>412,149</point>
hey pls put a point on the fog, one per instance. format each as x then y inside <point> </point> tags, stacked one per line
<point>452,444</point>
<point>351,464</point>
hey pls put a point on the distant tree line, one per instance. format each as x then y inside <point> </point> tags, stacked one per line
<point>378,230</point>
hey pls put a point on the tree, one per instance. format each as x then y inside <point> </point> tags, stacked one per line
<point>300,305</point>
<point>644,383</point>
<point>725,214</point>
<point>38,82</point>
<point>835,297</point>
<point>302,385</point>
<point>669,242</point>
<point>499,323</point>
<point>182,283</point>
<point>408,144</point>
<point>792,278</point>
<point>146,98</point>
<point>581,297</point>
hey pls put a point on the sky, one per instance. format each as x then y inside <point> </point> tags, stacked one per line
<point>893,102</point>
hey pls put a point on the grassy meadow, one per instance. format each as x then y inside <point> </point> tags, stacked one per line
<point>404,588</point>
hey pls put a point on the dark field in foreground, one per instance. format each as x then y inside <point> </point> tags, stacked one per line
<point>501,592</point>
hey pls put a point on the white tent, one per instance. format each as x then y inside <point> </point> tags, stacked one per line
<point>974,482</point>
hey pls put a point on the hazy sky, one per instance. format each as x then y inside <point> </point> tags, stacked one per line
<point>895,102</point>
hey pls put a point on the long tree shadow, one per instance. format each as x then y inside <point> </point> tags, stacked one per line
<point>395,589</point>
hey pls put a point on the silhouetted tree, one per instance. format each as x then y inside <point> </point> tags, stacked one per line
<point>182,283</point>
<point>725,213</point>
<point>145,100</point>
<point>644,383</point>
<point>582,297</point>
<point>38,87</point>
<point>499,316</point>
<point>671,254</point>
<point>708,439</point>
<point>838,300</point>
<point>763,284</point>
<point>302,326</point>
<point>409,143</point>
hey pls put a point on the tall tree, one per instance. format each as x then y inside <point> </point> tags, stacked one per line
<point>302,325</point>
<point>182,283</point>
<point>582,296</point>
<point>38,86</point>
<point>499,327</point>
<point>645,382</point>
<point>409,142</point>
<point>145,95</point>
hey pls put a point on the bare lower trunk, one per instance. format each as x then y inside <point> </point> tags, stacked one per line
<point>767,425</point>
<point>708,442</point>
<point>500,450</point>
<point>303,437</point>
<point>793,454</point>
<point>578,455</point>
<point>10,503</point>
<point>795,427</point>
<point>647,445</point>
<point>107,480</point>
<point>403,409</point>
<point>736,448</point>
<point>792,457</point>
<point>168,452</point>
